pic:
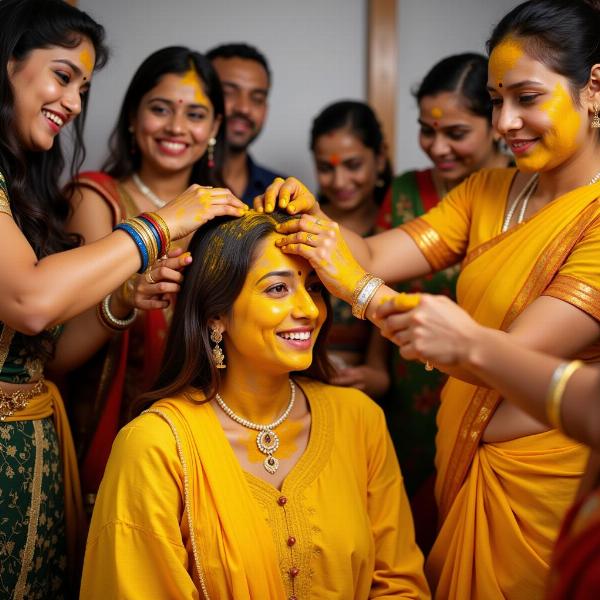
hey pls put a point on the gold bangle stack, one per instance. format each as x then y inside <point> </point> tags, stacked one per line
<point>164,229</point>
<point>556,389</point>
<point>147,237</point>
<point>109,320</point>
<point>364,291</point>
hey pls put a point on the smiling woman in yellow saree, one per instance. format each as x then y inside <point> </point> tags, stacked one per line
<point>529,240</point>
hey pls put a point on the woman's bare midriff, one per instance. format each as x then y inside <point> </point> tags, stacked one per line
<point>509,423</point>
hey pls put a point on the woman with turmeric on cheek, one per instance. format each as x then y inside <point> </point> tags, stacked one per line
<point>248,477</point>
<point>528,241</point>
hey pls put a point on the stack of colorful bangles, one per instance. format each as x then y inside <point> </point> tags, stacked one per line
<point>151,236</point>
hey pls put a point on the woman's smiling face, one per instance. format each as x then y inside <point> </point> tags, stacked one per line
<point>275,320</point>
<point>534,109</point>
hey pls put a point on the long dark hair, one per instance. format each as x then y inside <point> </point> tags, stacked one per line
<point>562,34</point>
<point>360,120</point>
<point>39,207</point>
<point>125,158</point>
<point>223,251</point>
<point>464,74</point>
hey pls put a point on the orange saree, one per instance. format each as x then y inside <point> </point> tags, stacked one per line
<point>501,504</point>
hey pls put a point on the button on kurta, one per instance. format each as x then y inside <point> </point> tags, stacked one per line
<point>291,540</point>
<point>281,500</point>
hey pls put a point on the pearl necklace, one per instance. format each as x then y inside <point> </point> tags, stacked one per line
<point>267,440</point>
<point>140,185</point>
<point>523,196</point>
<point>526,194</point>
<point>595,178</point>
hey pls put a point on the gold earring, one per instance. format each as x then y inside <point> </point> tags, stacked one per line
<point>595,124</point>
<point>211,152</point>
<point>217,352</point>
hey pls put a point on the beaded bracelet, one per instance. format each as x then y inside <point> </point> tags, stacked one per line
<point>139,242</point>
<point>363,294</point>
<point>109,320</point>
<point>556,389</point>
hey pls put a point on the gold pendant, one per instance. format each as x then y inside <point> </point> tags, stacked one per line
<point>267,442</point>
<point>271,464</point>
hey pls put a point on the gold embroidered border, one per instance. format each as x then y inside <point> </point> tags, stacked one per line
<point>5,339</point>
<point>548,264</point>
<point>34,511</point>
<point>433,247</point>
<point>4,203</point>
<point>575,292</point>
<point>186,499</point>
<point>484,402</point>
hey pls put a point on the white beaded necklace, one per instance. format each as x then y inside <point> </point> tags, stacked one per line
<point>267,440</point>
<point>526,194</point>
<point>144,189</point>
<point>523,196</point>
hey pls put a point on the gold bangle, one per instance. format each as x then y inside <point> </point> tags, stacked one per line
<point>146,234</point>
<point>363,294</point>
<point>109,320</point>
<point>556,389</point>
<point>164,228</point>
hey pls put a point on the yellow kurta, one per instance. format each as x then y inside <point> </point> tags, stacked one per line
<point>501,504</point>
<point>344,504</point>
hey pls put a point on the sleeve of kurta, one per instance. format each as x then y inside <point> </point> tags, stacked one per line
<point>398,561</point>
<point>135,547</point>
<point>578,280</point>
<point>442,234</point>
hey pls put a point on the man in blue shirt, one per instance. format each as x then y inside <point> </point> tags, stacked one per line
<point>245,77</point>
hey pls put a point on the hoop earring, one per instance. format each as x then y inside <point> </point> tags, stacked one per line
<point>211,152</point>
<point>595,124</point>
<point>217,352</point>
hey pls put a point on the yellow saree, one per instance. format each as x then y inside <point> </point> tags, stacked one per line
<point>501,504</point>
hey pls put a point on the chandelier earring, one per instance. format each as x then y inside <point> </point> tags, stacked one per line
<point>211,152</point>
<point>217,352</point>
<point>595,124</point>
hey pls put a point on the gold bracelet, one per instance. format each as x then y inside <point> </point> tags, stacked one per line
<point>556,389</point>
<point>363,294</point>
<point>109,320</point>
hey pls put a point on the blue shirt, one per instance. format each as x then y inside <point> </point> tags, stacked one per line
<point>259,179</point>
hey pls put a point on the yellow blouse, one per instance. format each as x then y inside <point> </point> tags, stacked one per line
<point>343,503</point>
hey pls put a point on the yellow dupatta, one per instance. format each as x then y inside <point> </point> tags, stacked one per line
<point>499,279</point>
<point>234,549</point>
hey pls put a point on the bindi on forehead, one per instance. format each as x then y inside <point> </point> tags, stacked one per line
<point>335,160</point>
<point>192,80</point>
<point>504,57</point>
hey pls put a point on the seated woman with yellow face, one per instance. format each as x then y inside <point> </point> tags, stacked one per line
<point>248,477</point>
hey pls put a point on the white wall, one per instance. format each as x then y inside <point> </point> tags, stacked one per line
<point>428,30</point>
<point>316,50</point>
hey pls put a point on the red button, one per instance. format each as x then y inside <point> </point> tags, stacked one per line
<point>294,572</point>
<point>291,540</point>
<point>281,500</point>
